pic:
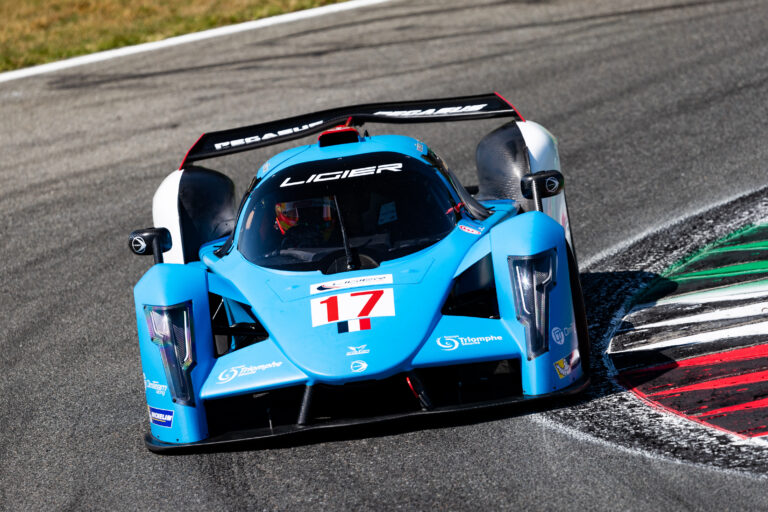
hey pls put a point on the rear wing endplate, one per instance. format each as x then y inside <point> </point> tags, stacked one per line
<point>235,140</point>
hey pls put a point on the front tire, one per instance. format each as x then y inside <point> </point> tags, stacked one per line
<point>579,313</point>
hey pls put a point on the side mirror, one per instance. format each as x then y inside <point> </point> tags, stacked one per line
<point>155,241</point>
<point>540,185</point>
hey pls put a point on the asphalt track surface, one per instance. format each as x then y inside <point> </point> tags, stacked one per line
<point>659,107</point>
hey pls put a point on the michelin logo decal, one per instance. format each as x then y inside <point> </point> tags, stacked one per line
<point>449,343</point>
<point>161,417</point>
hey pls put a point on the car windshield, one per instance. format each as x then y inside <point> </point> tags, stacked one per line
<point>346,214</point>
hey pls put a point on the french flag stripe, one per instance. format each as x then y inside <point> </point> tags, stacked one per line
<point>358,324</point>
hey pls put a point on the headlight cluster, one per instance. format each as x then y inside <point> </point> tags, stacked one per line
<point>170,328</point>
<point>532,279</point>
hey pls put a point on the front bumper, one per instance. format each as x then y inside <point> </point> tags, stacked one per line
<point>225,440</point>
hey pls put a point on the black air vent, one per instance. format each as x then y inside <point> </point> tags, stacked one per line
<point>340,135</point>
<point>474,292</point>
<point>230,334</point>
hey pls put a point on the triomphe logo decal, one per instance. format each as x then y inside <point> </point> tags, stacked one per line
<point>239,371</point>
<point>449,343</point>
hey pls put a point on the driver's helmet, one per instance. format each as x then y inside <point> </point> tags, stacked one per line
<point>315,213</point>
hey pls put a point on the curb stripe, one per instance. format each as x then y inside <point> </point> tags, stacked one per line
<point>751,329</point>
<point>752,310</point>
<point>727,382</point>
<point>739,354</point>
<point>755,404</point>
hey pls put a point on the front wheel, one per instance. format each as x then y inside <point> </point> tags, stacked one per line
<point>579,313</point>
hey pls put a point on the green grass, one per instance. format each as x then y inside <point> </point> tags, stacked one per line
<point>39,31</point>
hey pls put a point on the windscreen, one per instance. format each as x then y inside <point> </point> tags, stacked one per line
<point>346,214</point>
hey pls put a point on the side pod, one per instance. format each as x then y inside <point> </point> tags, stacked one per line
<point>530,263</point>
<point>172,315</point>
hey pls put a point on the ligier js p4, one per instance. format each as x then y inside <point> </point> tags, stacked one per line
<point>358,280</point>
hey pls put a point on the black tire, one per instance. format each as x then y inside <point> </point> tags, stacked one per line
<point>579,313</point>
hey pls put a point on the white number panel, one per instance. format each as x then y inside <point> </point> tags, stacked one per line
<point>348,306</point>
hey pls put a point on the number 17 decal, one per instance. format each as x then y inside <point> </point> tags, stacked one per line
<point>348,306</point>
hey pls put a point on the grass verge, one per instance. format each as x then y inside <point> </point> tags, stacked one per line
<point>39,31</point>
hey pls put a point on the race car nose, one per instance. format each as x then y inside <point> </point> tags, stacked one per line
<point>368,332</point>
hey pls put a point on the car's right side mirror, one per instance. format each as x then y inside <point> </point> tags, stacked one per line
<point>540,185</point>
<point>148,241</point>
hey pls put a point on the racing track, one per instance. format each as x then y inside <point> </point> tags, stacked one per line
<point>659,107</point>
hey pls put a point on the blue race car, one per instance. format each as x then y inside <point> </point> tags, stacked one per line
<point>358,280</point>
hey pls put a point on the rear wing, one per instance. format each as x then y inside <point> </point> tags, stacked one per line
<point>235,140</point>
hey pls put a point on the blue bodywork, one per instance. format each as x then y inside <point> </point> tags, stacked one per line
<point>412,334</point>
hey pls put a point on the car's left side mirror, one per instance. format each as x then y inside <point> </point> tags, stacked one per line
<point>148,241</point>
<point>540,185</point>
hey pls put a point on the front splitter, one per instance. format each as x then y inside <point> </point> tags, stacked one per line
<point>226,441</point>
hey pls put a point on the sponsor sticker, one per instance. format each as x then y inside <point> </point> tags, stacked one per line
<point>470,230</point>
<point>242,370</point>
<point>354,282</point>
<point>154,385</point>
<point>565,366</point>
<point>431,112</point>
<point>559,335</point>
<point>449,343</point>
<point>265,136</point>
<point>343,175</point>
<point>358,351</point>
<point>160,417</point>
<point>358,306</point>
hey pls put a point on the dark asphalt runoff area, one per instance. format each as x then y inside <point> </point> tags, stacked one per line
<point>660,110</point>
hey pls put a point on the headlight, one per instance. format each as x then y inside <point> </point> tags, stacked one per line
<point>170,328</point>
<point>532,279</point>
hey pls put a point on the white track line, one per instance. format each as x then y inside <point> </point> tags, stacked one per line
<point>626,243</point>
<point>187,38</point>
<point>757,329</point>
<point>544,421</point>
<point>742,292</point>
<point>752,310</point>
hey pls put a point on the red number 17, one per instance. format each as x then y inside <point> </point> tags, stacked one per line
<point>332,304</point>
<point>375,296</point>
